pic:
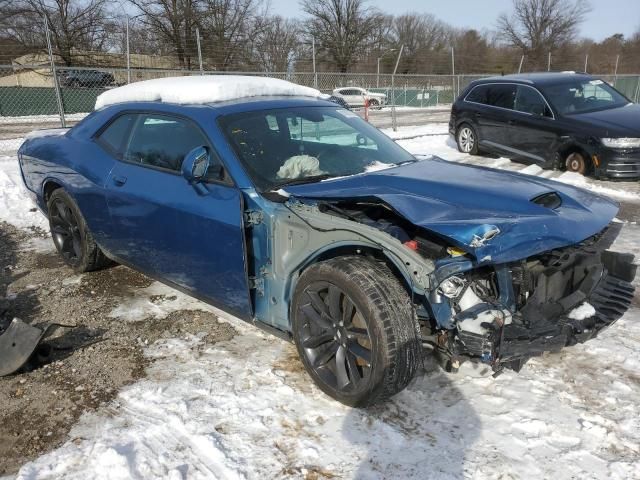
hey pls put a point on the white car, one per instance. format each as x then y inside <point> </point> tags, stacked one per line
<point>356,96</point>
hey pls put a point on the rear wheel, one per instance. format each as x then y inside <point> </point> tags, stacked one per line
<point>355,329</point>
<point>467,139</point>
<point>577,163</point>
<point>70,234</point>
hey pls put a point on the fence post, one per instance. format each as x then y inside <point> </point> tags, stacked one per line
<point>128,55</point>
<point>521,62</point>
<point>313,51</point>
<point>615,71</point>
<point>549,62</point>
<point>56,86</point>
<point>453,76</point>
<point>199,50</point>
<point>394,120</point>
<point>586,62</point>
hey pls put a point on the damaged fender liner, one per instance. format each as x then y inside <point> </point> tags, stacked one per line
<point>567,279</point>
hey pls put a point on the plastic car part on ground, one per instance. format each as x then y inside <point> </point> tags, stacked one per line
<point>18,343</point>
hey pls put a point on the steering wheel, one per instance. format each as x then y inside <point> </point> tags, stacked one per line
<point>592,98</point>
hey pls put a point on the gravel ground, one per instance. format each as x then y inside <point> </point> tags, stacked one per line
<point>87,365</point>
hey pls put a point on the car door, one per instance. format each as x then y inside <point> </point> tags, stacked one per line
<point>493,116</point>
<point>168,228</point>
<point>532,132</point>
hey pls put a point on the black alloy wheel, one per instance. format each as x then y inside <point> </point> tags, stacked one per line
<point>334,337</point>
<point>71,236</point>
<point>65,231</point>
<point>355,329</point>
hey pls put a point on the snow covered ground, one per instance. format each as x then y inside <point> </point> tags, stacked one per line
<point>244,408</point>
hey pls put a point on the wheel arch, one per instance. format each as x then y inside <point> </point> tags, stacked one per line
<point>49,186</point>
<point>376,254</point>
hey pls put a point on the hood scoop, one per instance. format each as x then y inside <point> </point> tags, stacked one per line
<point>548,200</point>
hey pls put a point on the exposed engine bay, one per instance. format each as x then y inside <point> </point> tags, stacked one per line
<point>503,315</point>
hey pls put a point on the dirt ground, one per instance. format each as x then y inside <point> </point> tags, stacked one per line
<point>79,368</point>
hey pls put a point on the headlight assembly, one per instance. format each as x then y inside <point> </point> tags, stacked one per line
<point>621,142</point>
<point>451,287</point>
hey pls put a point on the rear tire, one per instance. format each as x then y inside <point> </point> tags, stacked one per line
<point>71,236</point>
<point>355,329</point>
<point>467,139</point>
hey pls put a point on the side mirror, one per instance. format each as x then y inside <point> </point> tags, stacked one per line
<point>196,164</point>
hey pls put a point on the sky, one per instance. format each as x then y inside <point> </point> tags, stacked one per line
<point>606,18</point>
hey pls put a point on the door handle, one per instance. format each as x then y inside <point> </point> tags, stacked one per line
<point>512,122</point>
<point>119,181</point>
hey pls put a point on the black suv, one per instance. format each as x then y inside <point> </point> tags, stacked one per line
<point>86,78</point>
<point>567,121</point>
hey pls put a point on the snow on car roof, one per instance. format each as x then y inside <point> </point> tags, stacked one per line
<point>202,89</point>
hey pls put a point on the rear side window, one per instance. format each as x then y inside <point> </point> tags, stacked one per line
<point>162,141</point>
<point>113,138</point>
<point>478,94</point>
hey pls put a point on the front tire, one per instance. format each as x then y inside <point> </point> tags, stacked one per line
<point>355,329</point>
<point>467,139</point>
<point>71,236</point>
<point>577,163</point>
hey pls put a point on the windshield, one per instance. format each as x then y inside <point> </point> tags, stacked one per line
<point>298,145</point>
<point>584,96</point>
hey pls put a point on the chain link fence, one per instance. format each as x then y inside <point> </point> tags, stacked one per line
<point>33,94</point>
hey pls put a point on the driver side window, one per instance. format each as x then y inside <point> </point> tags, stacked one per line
<point>528,100</point>
<point>162,141</point>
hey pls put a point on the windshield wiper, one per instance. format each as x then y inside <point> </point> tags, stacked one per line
<point>310,179</point>
<point>404,162</point>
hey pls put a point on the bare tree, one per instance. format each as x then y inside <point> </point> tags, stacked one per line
<point>76,26</point>
<point>422,35</point>
<point>342,28</point>
<point>173,22</point>
<point>229,29</point>
<point>471,52</point>
<point>276,46</point>
<point>540,26</point>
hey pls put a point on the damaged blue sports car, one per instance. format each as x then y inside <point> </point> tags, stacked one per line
<point>261,198</point>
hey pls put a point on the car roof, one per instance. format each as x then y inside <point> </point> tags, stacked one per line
<point>227,107</point>
<point>537,78</point>
<point>267,103</point>
<point>202,89</point>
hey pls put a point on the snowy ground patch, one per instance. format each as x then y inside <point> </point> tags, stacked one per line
<point>16,207</point>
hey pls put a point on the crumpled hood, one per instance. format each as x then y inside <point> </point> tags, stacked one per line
<point>468,204</point>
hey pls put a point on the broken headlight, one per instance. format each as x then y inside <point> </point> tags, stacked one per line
<point>451,287</point>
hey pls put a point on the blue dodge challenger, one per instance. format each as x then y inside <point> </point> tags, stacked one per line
<point>259,197</point>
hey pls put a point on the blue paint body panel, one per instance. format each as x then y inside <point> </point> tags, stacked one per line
<point>460,202</point>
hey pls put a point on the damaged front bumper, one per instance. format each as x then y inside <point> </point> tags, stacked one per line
<point>561,298</point>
